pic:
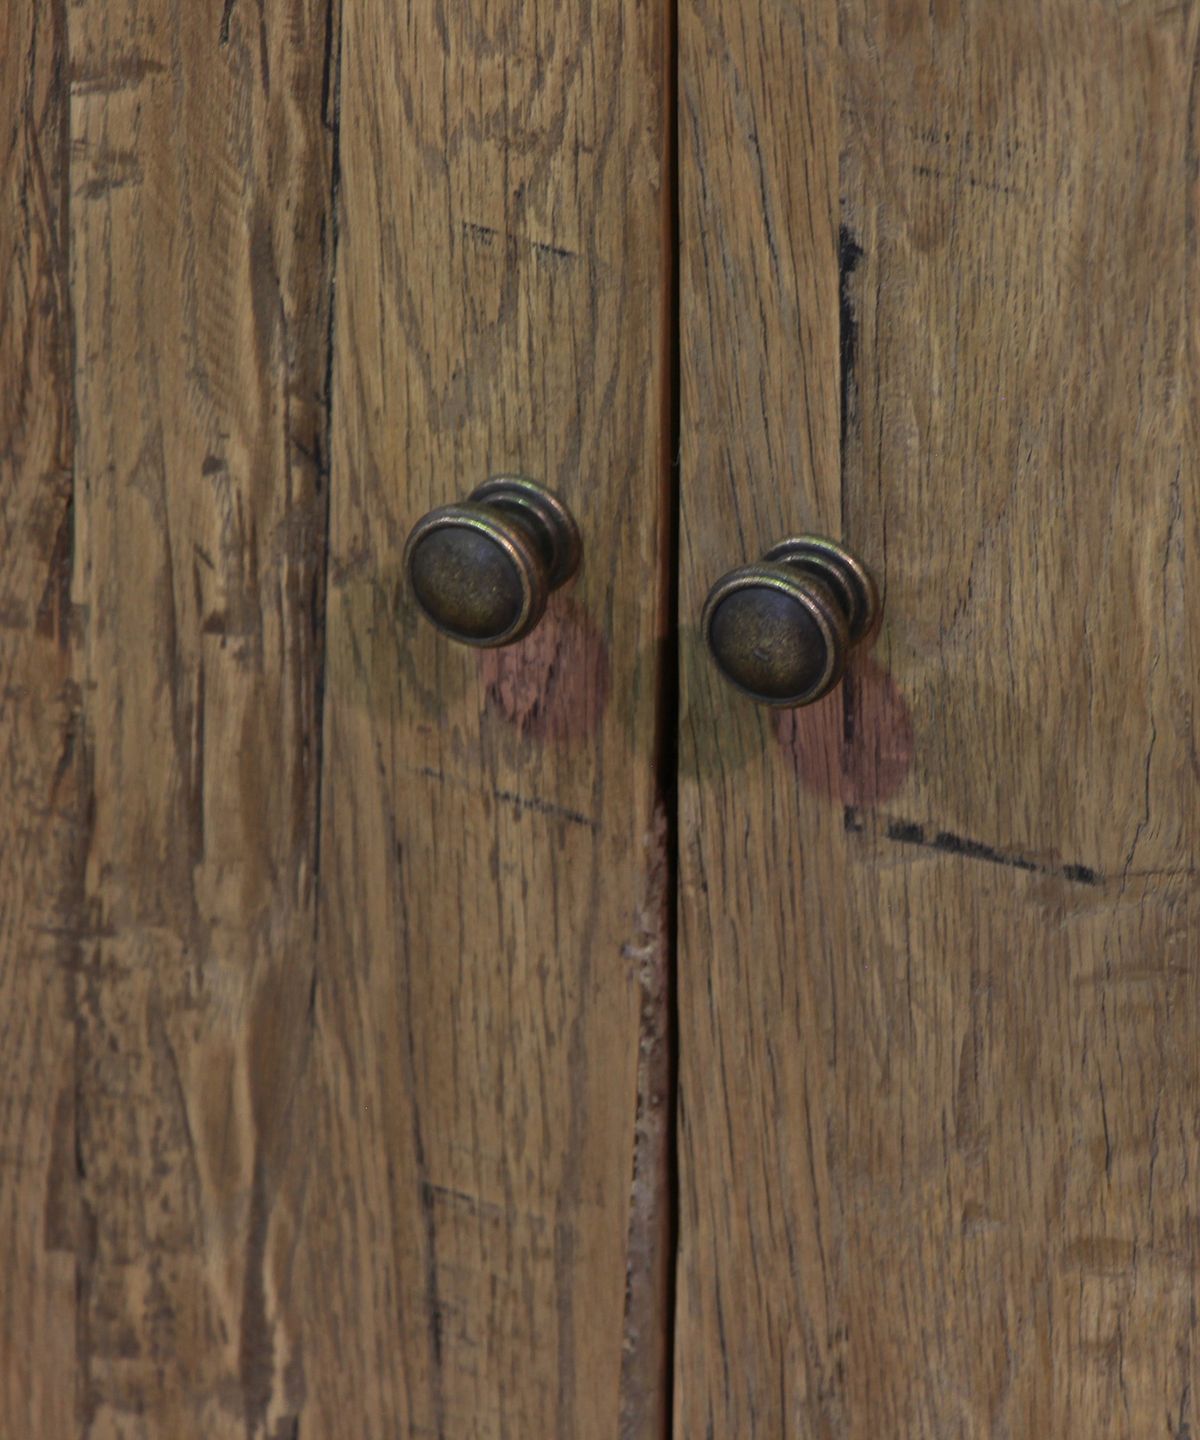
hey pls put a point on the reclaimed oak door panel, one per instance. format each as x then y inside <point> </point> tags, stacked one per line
<point>485,1090</point>
<point>332,956</point>
<point>38,735</point>
<point>938,934</point>
<point>197,246</point>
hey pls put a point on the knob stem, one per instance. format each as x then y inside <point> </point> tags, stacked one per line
<point>543,517</point>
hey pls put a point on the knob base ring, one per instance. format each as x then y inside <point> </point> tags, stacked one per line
<point>842,571</point>
<point>551,524</point>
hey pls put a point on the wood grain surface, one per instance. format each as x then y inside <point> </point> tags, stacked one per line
<point>487,1085</point>
<point>200,272</point>
<point>393,1160</point>
<point>39,733</point>
<point>938,961</point>
<point>336,960</point>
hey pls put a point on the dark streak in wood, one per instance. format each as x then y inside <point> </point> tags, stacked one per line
<point>912,832</point>
<point>331,113</point>
<point>907,832</point>
<point>532,803</point>
<point>849,257</point>
<point>122,72</point>
<point>226,21</point>
<point>488,233</point>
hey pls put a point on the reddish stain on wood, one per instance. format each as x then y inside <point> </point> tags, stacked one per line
<point>554,684</point>
<point>874,747</point>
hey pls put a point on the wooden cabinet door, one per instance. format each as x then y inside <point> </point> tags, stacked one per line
<point>399,1039</point>
<point>492,917</point>
<point>938,964</point>
<point>332,1074</point>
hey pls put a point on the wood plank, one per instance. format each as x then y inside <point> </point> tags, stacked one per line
<point>759,459</point>
<point>938,969</point>
<point>200,270</point>
<point>38,734</point>
<point>482,1230</point>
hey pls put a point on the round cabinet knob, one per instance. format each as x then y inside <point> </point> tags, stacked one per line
<point>781,630</point>
<point>483,570</point>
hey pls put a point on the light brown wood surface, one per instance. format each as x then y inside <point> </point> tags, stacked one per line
<point>486,1097</point>
<point>334,959</point>
<point>938,961</point>
<point>39,735</point>
<point>199,264</point>
<point>336,975</point>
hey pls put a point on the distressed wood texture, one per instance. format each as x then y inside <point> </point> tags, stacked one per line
<point>938,958</point>
<point>200,270</point>
<point>38,733</point>
<point>486,1086</point>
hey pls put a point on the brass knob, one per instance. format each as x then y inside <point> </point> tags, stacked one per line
<point>781,630</point>
<point>483,570</point>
